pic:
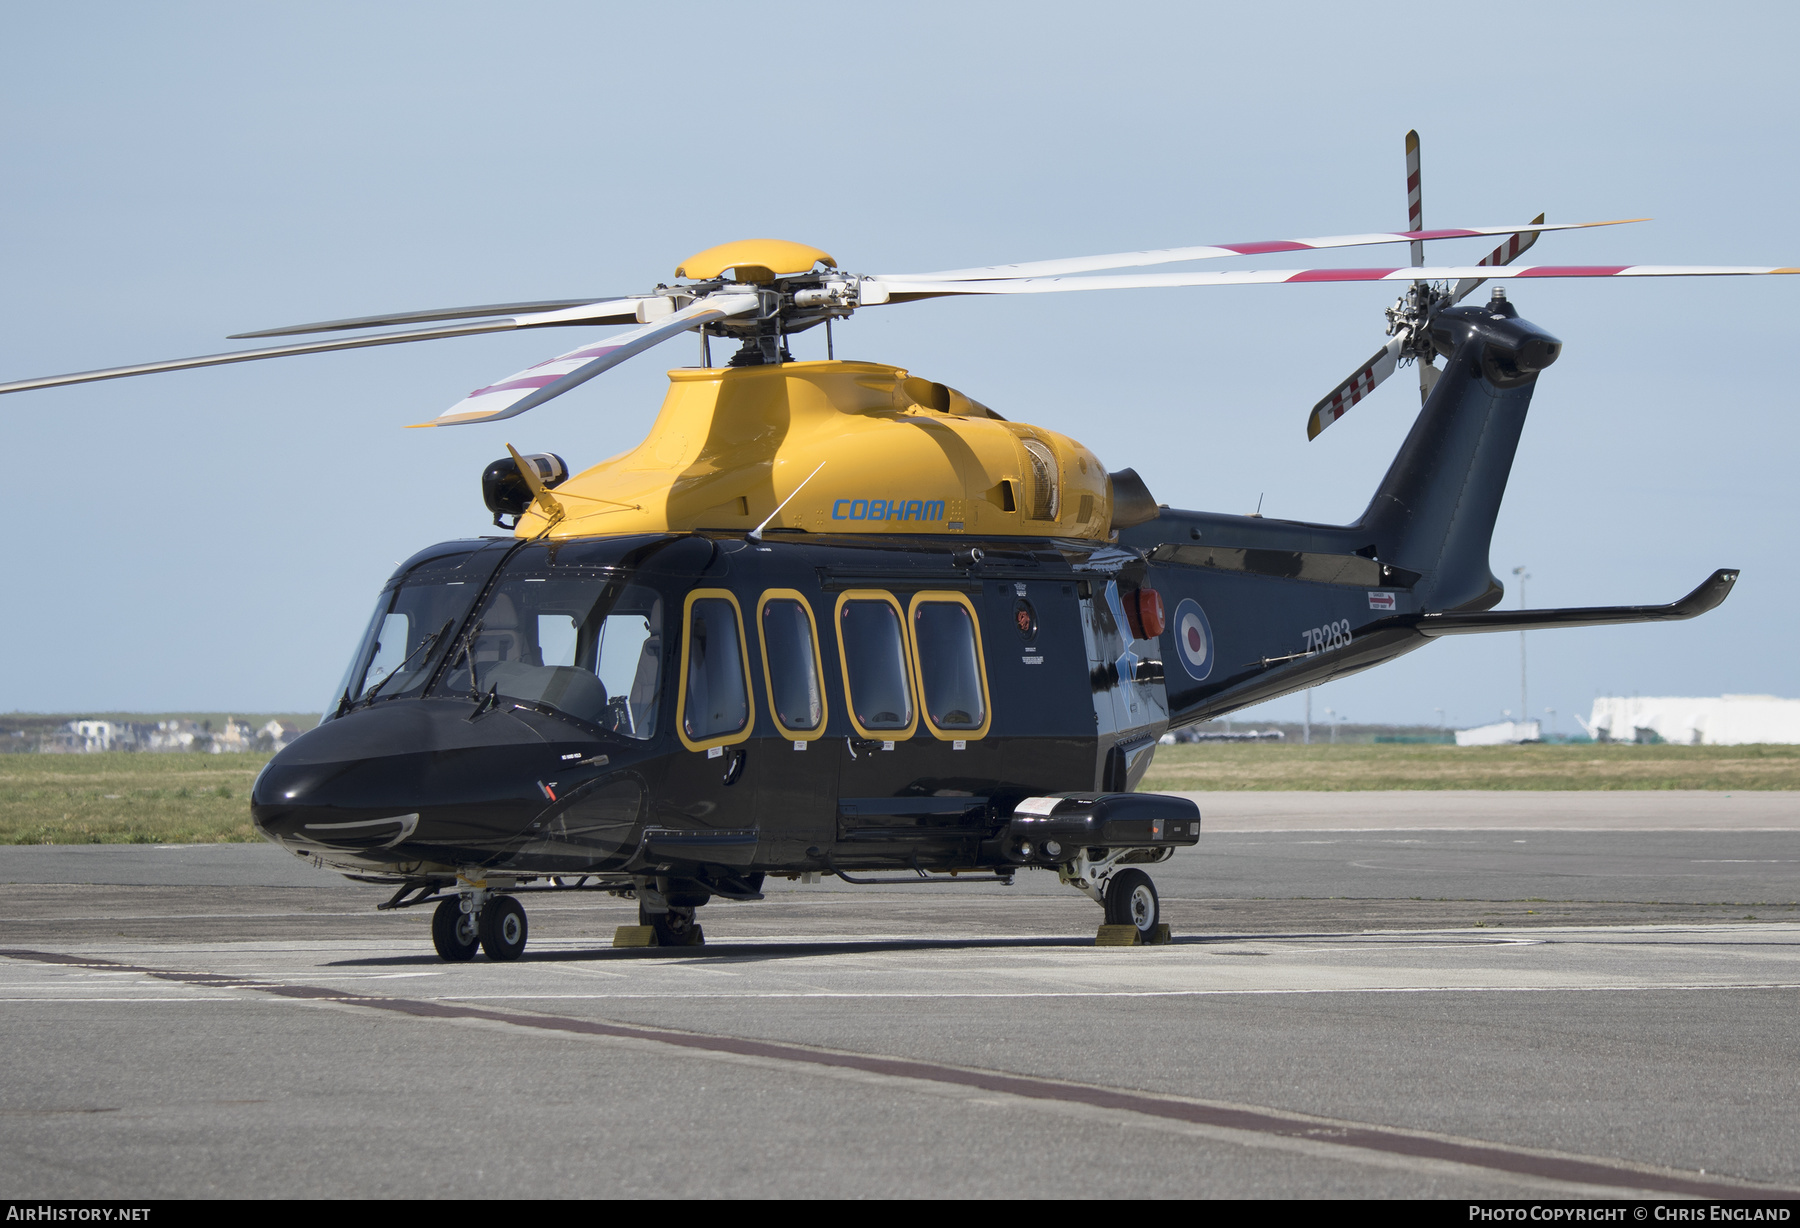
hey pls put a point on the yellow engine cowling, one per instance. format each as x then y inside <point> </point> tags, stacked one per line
<point>899,455</point>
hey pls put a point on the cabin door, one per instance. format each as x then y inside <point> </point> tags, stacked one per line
<point>1131,709</point>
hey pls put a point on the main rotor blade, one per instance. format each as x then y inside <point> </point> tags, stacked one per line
<point>626,313</point>
<point>580,314</point>
<point>1354,389</point>
<point>1174,255</point>
<point>1261,277</point>
<point>279,351</point>
<point>533,386</point>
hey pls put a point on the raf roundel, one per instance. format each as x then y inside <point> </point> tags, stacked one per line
<point>1194,639</point>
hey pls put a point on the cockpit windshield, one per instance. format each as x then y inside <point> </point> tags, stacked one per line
<point>413,624</point>
<point>586,645</point>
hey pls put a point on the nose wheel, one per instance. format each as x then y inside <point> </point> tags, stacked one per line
<point>454,933</point>
<point>1131,900</point>
<point>503,928</point>
<point>464,924</point>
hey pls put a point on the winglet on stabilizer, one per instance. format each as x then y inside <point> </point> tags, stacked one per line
<point>1706,597</point>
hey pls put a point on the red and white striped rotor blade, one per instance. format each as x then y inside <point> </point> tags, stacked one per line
<point>1506,253</point>
<point>531,387</point>
<point>1354,389</point>
<point>1217,251</point>
<point>1265,277</point>
<point>1415,205</point>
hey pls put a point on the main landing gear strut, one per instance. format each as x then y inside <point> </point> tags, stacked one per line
<point>670,914</point>
<point>479,917</point>
<point>1124,891</point>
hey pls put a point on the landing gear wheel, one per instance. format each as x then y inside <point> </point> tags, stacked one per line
<point>453,931</point>
<point>1131,900</point>
<point>503,928</point>
<point>675,928</point>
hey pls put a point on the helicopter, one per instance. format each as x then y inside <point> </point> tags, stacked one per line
<point>832,618</point>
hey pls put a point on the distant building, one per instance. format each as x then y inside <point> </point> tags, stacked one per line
<point>277,734</point>
<point>234,738</point>
<point>172,736</point>
<point>1501,733</point>
<point>85,737</point>
<point>1725,720</point>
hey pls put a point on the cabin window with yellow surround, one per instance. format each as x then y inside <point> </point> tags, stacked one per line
<point>791,669</point>
<point>715,673</point>
<point>952,672</point>
<point>877,672</point>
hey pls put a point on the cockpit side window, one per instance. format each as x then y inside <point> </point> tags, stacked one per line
<point>585,645</point>
<point>715,672</point>
<point>628,658</point>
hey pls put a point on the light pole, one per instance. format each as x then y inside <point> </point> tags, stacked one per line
<point>1524,709</point>
<point>1306,729</point>
<point>1329,715</point>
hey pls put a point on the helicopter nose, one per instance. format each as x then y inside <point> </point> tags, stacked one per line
<point>395,776</point>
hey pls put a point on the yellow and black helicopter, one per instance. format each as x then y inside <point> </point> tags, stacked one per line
<point>835,618</point>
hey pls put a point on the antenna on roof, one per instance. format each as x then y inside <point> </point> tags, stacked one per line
<point>756,533</point>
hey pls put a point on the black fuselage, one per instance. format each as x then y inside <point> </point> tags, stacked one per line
<point>609,706</point>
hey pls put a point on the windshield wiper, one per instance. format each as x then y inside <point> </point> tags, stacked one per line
<point>467,644</point>
<point>427,642</point>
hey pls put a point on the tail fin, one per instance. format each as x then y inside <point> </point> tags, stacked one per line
<point>1435,510</point>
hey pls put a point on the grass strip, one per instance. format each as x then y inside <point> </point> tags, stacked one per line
<point>123,798</point>
<point>1580,766</point>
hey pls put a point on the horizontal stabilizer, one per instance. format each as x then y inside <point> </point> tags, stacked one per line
<point>1706,597</point>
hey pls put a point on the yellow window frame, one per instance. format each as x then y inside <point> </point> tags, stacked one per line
<point>918,667</point>
<point>687,639</point>
<point>906,660</point>
<point>795,595</point>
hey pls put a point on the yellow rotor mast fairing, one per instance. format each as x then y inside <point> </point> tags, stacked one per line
<point>754,260</point>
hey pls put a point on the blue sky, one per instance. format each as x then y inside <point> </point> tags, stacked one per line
<point>178,172</point>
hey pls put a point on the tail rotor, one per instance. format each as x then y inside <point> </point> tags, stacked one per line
<point>1409,319</point>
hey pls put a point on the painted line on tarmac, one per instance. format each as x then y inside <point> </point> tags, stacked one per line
<point>759,995</point>
<point>1386,1141</point>
<point>1111,993</point>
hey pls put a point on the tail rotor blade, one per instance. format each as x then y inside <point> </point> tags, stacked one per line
<point>1428,378</point>
<point>1415,220</point>
<point>1354,389</point>
<point>1415,207</point>
<point>1506,253</point>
